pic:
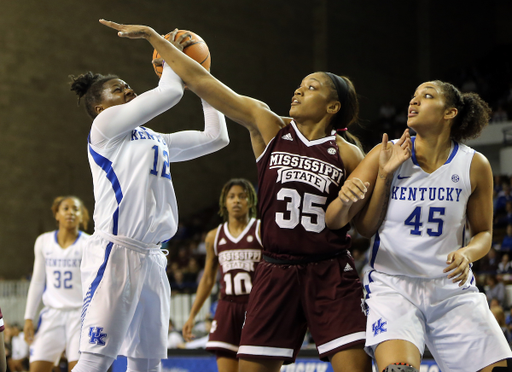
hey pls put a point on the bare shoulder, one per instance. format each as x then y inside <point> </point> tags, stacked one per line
<point>480,172</point>
<point>210,236</point>
<point>349,153</point>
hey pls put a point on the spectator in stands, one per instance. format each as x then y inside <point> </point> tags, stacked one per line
<point>18,361</point>
<point>183,257</point>
<point>505,266</point>
<point>489,263</point>
<point>175,339</point>
<point>495,289</point>
<point>499,115</point>
<point>503,197</point>
<point>499,314</point>
<point>191,271</point>
<point>506,218</point>
<point>506,244</point>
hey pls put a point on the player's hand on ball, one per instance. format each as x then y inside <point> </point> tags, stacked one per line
<point>458,267</point>
<point>352,191</point>
<point>130,31</point>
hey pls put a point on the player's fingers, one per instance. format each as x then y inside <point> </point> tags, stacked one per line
<point>384,141</point>
<point>110,24</point>
<point>183,36</point>
<point>158,61</point>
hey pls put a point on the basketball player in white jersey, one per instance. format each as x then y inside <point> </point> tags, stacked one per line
<point>420,289</point>
<point>56,280</point>
<point>126,290</point>
<point>236,246</point>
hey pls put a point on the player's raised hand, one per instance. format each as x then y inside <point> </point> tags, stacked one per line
<point>352,191</point>
<point>458,267</point>
<point>393,155</point>
<point>130,31</point>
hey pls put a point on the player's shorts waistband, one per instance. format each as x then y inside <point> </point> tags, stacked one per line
<point>129,243</point>
<point>304,259</point>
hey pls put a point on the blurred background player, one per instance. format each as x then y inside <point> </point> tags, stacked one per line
<point>56,280</point>
<point>127,300</point>
<point>3,360</point>
<point>236,245</point>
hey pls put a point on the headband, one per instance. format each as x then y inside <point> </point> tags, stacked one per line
<point>341,88</point>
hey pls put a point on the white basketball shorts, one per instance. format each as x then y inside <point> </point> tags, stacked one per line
<point>127,299</point>
<point>454,322</point>
<point>58,330</point>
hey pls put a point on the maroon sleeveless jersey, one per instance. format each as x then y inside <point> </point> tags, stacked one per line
<point>238,258</point>
<point>297,179</point>
<point>2,326</point>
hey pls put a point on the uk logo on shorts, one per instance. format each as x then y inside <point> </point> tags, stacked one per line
<point>96,336</point>
<point>378,327</point>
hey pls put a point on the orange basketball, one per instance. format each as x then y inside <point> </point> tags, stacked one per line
<point>198,51</point>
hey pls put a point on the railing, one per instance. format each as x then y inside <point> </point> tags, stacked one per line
<point>507,136</point>
<point>13,299</point>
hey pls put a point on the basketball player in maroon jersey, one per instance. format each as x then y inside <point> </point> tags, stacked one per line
<point>307,277</point>
<point>236,246</point>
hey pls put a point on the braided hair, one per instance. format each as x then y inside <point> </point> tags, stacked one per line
<point>90,86</point>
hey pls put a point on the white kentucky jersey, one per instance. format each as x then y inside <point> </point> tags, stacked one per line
<point>426,216</point>
<point>133,189</point>
<point>56,276</point>
<point>130,163</point>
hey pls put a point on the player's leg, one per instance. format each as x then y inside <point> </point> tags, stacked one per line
<point>351,360</point>
<point>89,362</point>
<point>143,365</point>
<point>72,365</point>
<point>259,365</point>
<point>41,366</point>
<point>501,366</point>
<point>397,351</point>
<point>332,299</point>
<point>226,364</point>
<point>73,338</point>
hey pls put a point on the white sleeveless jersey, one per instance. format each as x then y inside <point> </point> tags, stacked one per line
<point>56,277</point>
<point>426,217</point>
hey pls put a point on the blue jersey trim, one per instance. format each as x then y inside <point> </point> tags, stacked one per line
<point>375,248</point>
<point>57,240</point>
<point>454,152</point>
<point>413,155</point>
<point>106,165</point>
<point>96,281</point>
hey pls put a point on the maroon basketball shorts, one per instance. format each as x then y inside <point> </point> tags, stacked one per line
<point>226,328</point>
<point>325,296</point>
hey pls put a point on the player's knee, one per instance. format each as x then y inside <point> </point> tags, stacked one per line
<point>400,367</point>
<point>508,368</point>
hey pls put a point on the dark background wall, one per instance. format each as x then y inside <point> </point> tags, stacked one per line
<point>259,48</point>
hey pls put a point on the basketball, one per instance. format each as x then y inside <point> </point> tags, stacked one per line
<point>197,50</point>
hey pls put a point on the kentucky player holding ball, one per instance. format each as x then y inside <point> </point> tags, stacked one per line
<point>420,289</point>
<point>56,280</point>
<point>306,278</point>
<point>234,247</point>
<point>127,293</point>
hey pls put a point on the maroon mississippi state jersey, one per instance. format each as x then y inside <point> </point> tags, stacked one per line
<point>298,179</point>
<point>2,327</point>
<point>238,258</point>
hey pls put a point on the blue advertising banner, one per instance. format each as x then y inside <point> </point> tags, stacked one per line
<point>207,363</point>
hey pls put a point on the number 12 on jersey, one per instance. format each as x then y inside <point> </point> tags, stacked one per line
<point>414,220</point>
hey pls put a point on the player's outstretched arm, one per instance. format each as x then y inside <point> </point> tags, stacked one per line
<point>479,213</point>
<point>205,285</point>
<point>251,113</point>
